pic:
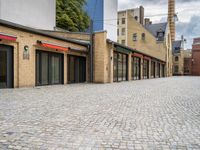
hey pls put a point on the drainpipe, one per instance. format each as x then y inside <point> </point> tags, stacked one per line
<point>91,51</point>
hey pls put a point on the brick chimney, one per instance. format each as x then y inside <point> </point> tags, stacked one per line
<point>171,19</point>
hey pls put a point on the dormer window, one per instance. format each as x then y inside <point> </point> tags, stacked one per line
<point>160,35</point>
<point>177,48</point>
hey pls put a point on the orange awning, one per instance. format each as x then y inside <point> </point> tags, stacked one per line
<point>7,37</point>
<point>52,46</point>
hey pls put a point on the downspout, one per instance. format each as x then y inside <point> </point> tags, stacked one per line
<point>91,51</point>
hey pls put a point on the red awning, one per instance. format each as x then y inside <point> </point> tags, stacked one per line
<point>147,58</point>
<point>137,55</point>
<point>53,46</point>
<point>7,37</point>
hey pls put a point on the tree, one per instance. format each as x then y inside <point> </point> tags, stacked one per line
<point>71,16</point>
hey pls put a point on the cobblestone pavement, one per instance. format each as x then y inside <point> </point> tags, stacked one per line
<point>157,114</point>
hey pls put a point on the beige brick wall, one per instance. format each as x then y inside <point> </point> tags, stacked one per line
<point>101,66</point>
<point>71,35</point>
<point>24,70</point>
<point>149,46</point>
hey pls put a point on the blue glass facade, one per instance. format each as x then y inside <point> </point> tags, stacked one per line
<point>95,9</point>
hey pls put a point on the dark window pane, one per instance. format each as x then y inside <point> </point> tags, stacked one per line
<point>55,69</point>
<point>3,71</point>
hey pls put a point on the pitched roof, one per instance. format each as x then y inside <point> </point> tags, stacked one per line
<point>155,28</point>
<point>176,46</point>
<point>40,32</point>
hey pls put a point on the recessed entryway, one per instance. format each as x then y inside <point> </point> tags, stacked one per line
<point>49,68</point>
<point>6,66</point>
<point>76,69</point>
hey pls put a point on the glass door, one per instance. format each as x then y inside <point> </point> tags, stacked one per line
<point>158,69</point>
<point>153,68</point>
<point>55,69</point>
<point>49,68</point>
<point>120,67</point>
<point>115,66</point>
<point>3,71</point>
<point>136,68</point>
<point>146,69</point>
<point>76,69</point>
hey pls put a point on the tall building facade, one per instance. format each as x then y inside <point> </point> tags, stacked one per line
<point>196,57</point>
<point>104,16</point>
<point>152,39</point>
<point>178,57</point>
<point>39,14</point>
<point>171,18</point>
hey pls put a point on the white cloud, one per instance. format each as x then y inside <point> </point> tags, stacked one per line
<point>157,11</point>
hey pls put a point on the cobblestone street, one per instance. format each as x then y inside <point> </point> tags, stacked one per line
<point>157,114</point>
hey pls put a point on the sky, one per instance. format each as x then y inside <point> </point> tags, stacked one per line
<point>188,23</point>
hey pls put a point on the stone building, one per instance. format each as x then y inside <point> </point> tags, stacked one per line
<point>153,39</point>
<point>178,57</point>
<point>31,57</point>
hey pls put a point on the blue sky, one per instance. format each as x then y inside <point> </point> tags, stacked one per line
<point>188,14</point>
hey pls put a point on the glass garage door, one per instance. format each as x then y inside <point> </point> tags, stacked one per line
<point>76,69</point>
<point>49,68</point>
<point>158,69</point>
<point>153,69</point>
<point>6,66</point>
<point>146,69</point>
<point>120,67</point>
<point>136,68</point>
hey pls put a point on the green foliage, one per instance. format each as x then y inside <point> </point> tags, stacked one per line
<point>71,16</point>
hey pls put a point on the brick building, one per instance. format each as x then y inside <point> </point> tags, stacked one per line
<point>188,62</point>
<point>152,39</point>
<point>196,57</point>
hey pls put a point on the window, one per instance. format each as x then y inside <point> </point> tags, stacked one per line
<point>143,36</point>
<point>117,32</point>
<point>123,31</point>
<point>135,37</point>
<point>118,22</point>
<point>176,69</point>
<point>176,58</point>
<point>123,42</point>
<point>136,66</point>
<point>49,68</point>
<point>123,20</point>
<point>120,67</point>
<point>146,69</point>
<point>136,18</point>
<point>160,35</point>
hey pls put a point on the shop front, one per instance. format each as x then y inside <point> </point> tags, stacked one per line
<point>76,69</point>
<point>120,68</point>
<point>49,68</point>
<point>146,68</point>
<point>6,66</point>
<point>136,66</point>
